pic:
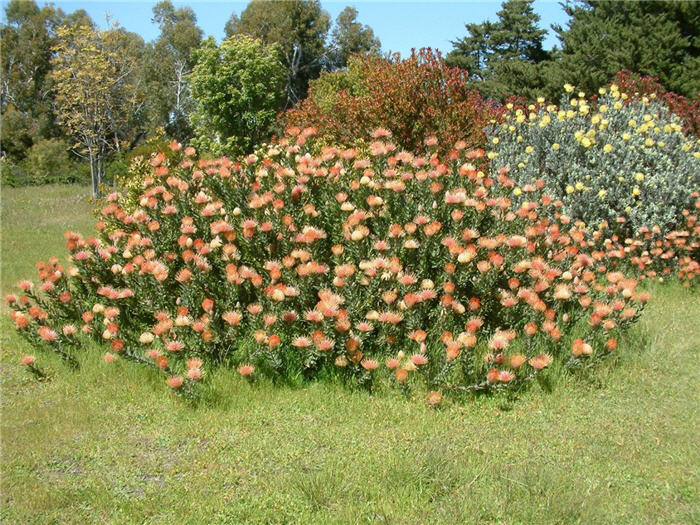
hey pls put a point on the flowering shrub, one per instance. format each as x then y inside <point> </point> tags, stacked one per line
<point>389,268</point>
<point>637,86</point>
<point>413,98</point>
<point>616,157</point>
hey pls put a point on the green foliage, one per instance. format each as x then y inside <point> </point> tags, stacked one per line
<point>239,89</point>
<point>652,38</point>
<point>614,157</point>
<point>167,62</point>
<point>327,88</point>
<point>96,91</point>
<point>350,37</point>
<point>46,162</point>
<point>503,57</point>
<point>300,27</point>
<point>28,34</point>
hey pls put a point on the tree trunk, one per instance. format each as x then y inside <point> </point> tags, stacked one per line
<point>96,170</point>
<point>93,174</point>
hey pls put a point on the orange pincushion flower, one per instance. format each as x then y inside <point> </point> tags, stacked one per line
<point>401,375</point>
<point>493,375</point>
<point>28,360</point>
<point>580,347</point>
<point>175,382</point>
<point>369,364</point>
<point>517,360</point>
<point>246,370</point>
<point>194,374</point>
<point>540,361</point>
<point>434,398</point>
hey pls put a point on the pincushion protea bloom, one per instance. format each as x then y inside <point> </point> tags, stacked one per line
<point>246,370</point>
<point>434,398</point>
<point>369,364</point>
<point>540,361</point>
<point>175,382</point>
<point>28,360</point>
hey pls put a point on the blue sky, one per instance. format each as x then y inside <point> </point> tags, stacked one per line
<point>400,25</point>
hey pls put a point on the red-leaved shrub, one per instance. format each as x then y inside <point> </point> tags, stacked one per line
<point>413,98</point>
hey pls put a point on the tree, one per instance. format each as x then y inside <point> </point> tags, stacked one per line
<point>96,94</point>
<point>238,88</point>
<point>350,37</point>
<point>504,56</point>
<point>25,87</point>
<point>168,62</point>
<point>651,38</point>
<point>300,27</point>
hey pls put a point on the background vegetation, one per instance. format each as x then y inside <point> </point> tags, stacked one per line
<point>145,89</point>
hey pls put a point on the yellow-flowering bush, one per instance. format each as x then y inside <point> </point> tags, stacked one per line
<point>607,157</point>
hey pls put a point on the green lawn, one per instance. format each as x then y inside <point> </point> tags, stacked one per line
<point>111,444</point>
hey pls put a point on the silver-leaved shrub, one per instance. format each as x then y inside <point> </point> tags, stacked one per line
<point>603,158</point>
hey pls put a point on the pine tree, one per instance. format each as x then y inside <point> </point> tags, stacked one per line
<point>653,38</point>
<point>503,57</point>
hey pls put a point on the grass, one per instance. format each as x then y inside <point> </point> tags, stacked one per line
<point>110,444</point>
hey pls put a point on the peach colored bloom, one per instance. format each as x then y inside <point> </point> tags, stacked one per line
<point>175,382</point>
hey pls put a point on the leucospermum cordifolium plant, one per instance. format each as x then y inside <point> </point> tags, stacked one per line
<point>385,268</point>
<point>615,156</point>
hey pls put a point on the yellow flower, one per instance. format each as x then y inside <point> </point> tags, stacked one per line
<point>569,189</point>
<point>491,155</point>
<point>568,88</point>
<point>579,186</point>
<point>613,88</point>
<point>555,146</point>
<point>517,191</point>
<point>632,123</point>
<point>495,140</point>
<point>540,100</point>
<point>639,177</point>
<point>649,142</point>
<point>601,91</point>
<point>636,191</point>
<point>602,193</point>
<point>617,105</point>
<point>528,149</point>
<point>626,136</point>
<point>586,142</point>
